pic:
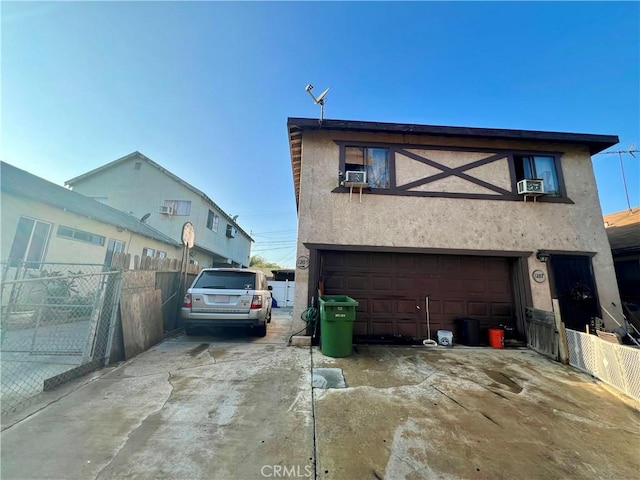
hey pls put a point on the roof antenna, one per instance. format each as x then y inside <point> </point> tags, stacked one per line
<point>319,100</point>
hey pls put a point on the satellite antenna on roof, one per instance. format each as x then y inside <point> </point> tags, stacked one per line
<point>144,217</point>
<point>319,100</point>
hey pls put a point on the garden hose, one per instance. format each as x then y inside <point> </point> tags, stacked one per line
<point>310,317</point>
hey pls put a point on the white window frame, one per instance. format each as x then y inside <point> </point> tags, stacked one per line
<point>179,208</point>
<point>214,224</point>
<point>29,244</point>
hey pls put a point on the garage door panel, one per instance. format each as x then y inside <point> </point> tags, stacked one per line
<point>390,285</point>
<point>474,266</point>
<point>453,308</point>
<point>381,306</point>
<point>405,285</point>
<point>450,264</point>
<point>381,328</point>
<point>476,285</point>
<point>405,263</point>
<point>435,306</point>
<point>406,306</point>
<point>500,286</point>
<point>451,286</point>
<point>333,260</point>
<point>360,327</point>
<point>427,264</point>
<point>358,261</point>
<point>334,283</point>
<point>381,284</point>
<point>357,283</point>
<point>426,285</point>
<point>477,309</point>
<point>497,267</point>
<point>408,329</point>
<point>503,310</point>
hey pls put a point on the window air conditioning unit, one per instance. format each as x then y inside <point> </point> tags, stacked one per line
<point>355,176</point>
<point>164,209</point>
<point>231,231</point>
<point>531,186</point>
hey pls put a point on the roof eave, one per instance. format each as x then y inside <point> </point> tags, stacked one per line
<point>296,127</point>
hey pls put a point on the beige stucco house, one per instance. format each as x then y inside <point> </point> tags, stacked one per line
<point>392,214</point>
<point>44,223</point>
<point>137,184</point>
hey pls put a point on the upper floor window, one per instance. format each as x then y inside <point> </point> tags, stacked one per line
<point>179,207</point>
<point>213,221</point>
<point>541,167</point>
<point>80,235</point>
<point>373,161</point>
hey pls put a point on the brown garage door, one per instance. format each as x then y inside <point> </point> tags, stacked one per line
<point>391,286</point>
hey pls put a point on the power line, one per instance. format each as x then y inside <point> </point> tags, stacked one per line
<point>267,249</point>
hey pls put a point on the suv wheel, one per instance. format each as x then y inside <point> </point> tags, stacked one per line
<point>268,319</point>
<point>261,331</point>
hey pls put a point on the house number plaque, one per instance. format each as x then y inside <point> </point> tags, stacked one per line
<point>538,276</point>
<point>303,262</point>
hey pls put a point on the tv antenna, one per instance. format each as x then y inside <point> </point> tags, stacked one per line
<point>630,151</point>
<point>319,100</point>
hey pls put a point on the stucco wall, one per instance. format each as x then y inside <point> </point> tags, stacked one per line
<point>452,223</point>
<point>64,250</point>
<point>143,191</point>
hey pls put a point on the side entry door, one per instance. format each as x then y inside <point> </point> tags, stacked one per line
<point>573,284</point>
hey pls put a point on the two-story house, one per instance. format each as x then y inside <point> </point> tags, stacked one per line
<point>43,223</point>
<point>137,184</point>
<point>406,218</point>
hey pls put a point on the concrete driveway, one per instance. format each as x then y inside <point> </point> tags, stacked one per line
<point>231,406</point>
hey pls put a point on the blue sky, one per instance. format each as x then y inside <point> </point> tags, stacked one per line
<point>205,88</point>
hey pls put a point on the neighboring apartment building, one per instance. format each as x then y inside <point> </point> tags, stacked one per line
<point>136,184</point>
<point>46,223</point>
<point>623,230</point>
<point>391,214</point>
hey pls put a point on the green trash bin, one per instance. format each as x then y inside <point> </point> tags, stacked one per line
<point>337,313</point>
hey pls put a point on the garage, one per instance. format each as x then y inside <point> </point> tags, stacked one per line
<point>391,289</point>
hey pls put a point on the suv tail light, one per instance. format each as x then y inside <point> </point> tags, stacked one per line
<point>187,300</point>
<point>256,302</point>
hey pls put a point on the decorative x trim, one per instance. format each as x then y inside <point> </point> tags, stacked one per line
<point>458,172</point>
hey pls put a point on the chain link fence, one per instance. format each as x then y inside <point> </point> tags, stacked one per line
<point>57,323</point>
<point>617,365</point>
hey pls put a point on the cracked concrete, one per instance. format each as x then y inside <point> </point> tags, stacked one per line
<point>231,406</point>
<point>217,406</point>
<point>412,413</point>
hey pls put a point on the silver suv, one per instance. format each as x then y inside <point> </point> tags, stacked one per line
<point>228,297</point>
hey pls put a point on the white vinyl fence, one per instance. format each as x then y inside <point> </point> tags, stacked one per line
<point>283,292</point>
<point>617,365</point>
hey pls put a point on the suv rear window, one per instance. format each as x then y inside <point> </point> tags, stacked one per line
<point>227,280</point>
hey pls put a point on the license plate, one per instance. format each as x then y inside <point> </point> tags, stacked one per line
<point>221,298</point>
